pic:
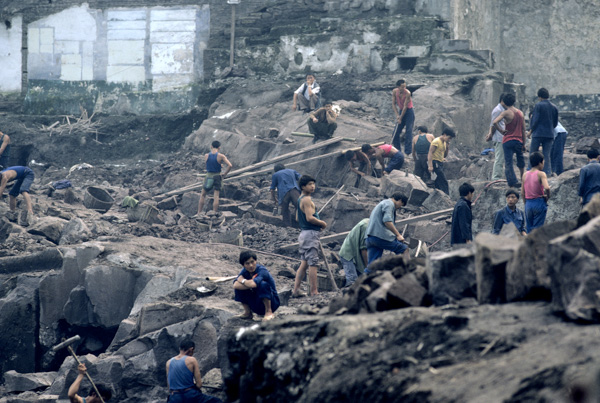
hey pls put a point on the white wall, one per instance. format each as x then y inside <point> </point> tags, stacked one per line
<point>10,55</point>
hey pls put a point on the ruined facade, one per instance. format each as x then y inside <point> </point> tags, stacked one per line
<point>148,57</point>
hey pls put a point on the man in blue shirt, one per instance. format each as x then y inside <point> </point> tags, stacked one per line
<point>589,177</point>
<point>543,121</point>
<point>462,216</point>
<point>285,181</point>
<point>24,178</point>
<point>382,233</point>
<point>510,213</point>
<point>255,288</point>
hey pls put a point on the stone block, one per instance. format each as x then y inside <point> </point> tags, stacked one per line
<point>189,203</point>
<point>527,271</point>
<point>16,382</point>
<point>167,204</point>
<point>75,231</point>
<point>49,227</point>
<point>451,275</point>
<point>437,200</point>
<point>407,291</point>
<point>158,315</point>
<point>127,331</point>
<point>492,254</point>
<point>417,197</point>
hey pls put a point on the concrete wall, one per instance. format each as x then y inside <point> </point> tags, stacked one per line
<point>546,43</point>
<point>161,45</point>
<point>11,33</point>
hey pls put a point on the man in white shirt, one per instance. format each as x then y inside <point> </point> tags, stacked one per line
<point>306,97</point>
<point>496,137</point>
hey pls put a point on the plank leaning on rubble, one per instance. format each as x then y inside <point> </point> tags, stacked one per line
<point>342,235</point>
<point>198,185</point>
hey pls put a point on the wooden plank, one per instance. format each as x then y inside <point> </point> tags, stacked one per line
<point>342,235</point>
<point>232,174</point>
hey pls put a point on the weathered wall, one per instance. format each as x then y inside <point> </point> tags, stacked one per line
<point>10,55</point>
<point>546,43</point>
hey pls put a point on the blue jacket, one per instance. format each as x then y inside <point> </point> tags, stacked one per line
<point>505,216</point>
<point>544,119</point>
<point>462,218</point>
<point>284,181</point>
<point>589,181</point>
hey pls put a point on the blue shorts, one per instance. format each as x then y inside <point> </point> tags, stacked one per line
<point>396,162</point>
<point>23,184</point>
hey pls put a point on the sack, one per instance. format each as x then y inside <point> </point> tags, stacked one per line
<point>209,183</point>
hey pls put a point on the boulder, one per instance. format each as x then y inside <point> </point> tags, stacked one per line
<point>189,203</point>
<point>167,204</point>
<point>346,212</point>
<point>492,254</point>
<point>400,181</point>
<point>18,320</point>
<point>16,382</point>
<point>589,211</point>
<point>49,227</point>
<point>75,231</point>
<point>405,292</point>
<point>574,269</point>
<point>158,315</point>
<point>452,275</point>
<point>564,199</point>
<point>527,271</point>
<point>437,200</point>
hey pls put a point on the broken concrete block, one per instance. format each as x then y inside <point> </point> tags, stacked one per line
<point>49,227</point>
<point>16,382</point>
<point>167,204</point>
<point>406,292</point>
<point>527,271</point>
<point>492,254</point>
<point>451,275</point>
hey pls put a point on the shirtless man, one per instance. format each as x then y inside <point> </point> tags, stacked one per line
<point>405,115</point>
<point>513,141</point>
<point>214,160</point>
<point>92,396</point>
<point>308,240</point>
<point>385,151</point>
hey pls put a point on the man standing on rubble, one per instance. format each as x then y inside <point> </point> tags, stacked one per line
<point>405,116</point>
<point>513,140</point>
<point>496,137</point>
<point>438,151</point>
<point>308,240</point>
<point>543,121</point>
<point>285,181</point>
<point>214,161</point>
<point>420,150</point>
<point>462,216</point>
<point>382,233</point>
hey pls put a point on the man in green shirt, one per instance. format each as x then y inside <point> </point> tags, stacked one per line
<point>353,253</point>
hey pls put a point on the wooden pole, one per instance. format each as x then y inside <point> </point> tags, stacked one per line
<point>301,134</point>
<point>330,199</point>
<point>232,174</point>
<point>342,235</point>
<point>329,272</point>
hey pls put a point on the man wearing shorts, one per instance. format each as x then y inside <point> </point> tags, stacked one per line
<point>24,178</point>
<point>308,240</point>
<point>213,180</point>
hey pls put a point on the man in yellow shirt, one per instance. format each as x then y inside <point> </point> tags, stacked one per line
<point>438,150</point>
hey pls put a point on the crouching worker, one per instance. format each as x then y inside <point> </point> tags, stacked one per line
<point>92,396</point>
<point>24,178</point>
<point>183,377</point>
<point>255,288</point>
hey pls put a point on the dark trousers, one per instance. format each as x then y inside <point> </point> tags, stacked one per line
<point>376,246</point>
<point>441,182</point>
<point>321,130</point>
<point>535,213</point>
<point>408,121</point>
<point>512,147</point>
<point>192,396</point>
<point>546,144</point>
<point>290,197</point>
<point>421,169</point>
<point>308,104</point>
<point>254,298</point>
<point>556,155</point>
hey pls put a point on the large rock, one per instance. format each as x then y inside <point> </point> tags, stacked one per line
<point>400,181</point>
<point>347,211</point>
<point>527,271</point>
<point>451,275</point>
<point>437,200</point>
<point>492,254</point>
<point>564,198</point>
<point>75,231</point>
<point>19,313</point>
<point>574,268</point>
<point>189,203</point>
<point>16,382</point>
<point>49,227</point>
